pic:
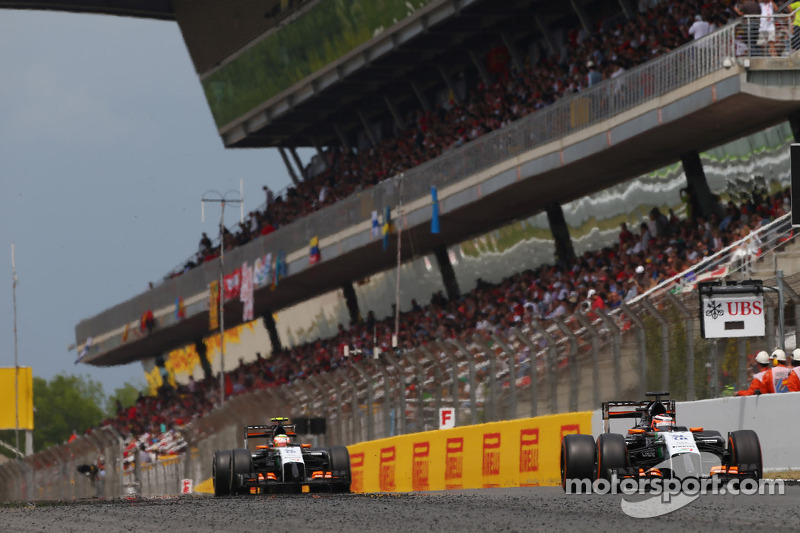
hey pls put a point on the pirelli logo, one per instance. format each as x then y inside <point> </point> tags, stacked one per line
<point>528,450</point>
<point>357,472</point>
<point>569,429</point>
<point>454,463</point>
<point>491,459</point>
<point>421,466</point>
<point>387,468</point>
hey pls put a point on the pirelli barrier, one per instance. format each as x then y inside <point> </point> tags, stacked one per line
<point>516,453</point>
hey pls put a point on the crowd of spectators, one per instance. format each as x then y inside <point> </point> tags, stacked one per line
<point>615,45</point>
<point>643,257</point>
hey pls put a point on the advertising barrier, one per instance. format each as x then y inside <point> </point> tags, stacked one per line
<point>516,453</point>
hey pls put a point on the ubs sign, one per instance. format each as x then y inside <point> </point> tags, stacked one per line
<point>732,311</point>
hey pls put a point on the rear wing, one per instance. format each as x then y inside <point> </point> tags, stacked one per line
<point>268,431</point>
<point>636,410</point>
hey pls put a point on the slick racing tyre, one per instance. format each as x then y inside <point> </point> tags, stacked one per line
<point>241,463</point>
<point>577,463</point>
<point>221,472</point>
<point>744,450</point>
<point>340,465</point>
<point>612,452</point>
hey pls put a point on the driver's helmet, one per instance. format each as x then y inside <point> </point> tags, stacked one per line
<point>662,423</point>
<point>280,441</point>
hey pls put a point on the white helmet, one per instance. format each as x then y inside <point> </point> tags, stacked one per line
<point>780,355</point>
<point>796,354</point>
<point>762,357</point>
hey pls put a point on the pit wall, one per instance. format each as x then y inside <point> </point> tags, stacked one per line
<point>517,453</point>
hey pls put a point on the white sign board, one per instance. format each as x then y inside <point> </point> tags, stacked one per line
<point>447,419</point>
<point>732,315</point>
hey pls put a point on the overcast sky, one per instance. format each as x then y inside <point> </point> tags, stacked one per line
<point>107,146</point>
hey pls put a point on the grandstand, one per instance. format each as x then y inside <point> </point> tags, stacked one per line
<point>563,177</point>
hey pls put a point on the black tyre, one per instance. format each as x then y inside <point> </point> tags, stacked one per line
<point>221,472</point>
<point>612,452</point>
<point>241,463</point>
<point>340,466</point>
<point>577,461</point>
<point>744,450</point>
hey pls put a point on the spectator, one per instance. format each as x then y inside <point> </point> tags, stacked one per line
<point>700,28</point>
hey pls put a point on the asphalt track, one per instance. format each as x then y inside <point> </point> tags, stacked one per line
<point>491,510</point>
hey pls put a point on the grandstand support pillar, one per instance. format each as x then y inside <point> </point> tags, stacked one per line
<point>367,128</point>
<point>560,232</point>
<point>200,348</point>
<point>320,153</point>
<point>297,162</point>
<point>342,137</point>
<point>582,16</point>
<point>289,167</point>
<point>398,120</point>
<point>351,301</point>
<point>626,8</point>
<point>448,80</point>
<point>481,66</point>
<point>794,123</point>
<point>516,57</point>
<point>546,35</point>
<point>447,272</point>
<point>272,329</point>
<point>702,201</point>
<point>423,100</point>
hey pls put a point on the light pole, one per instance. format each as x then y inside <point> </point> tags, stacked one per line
<point>16,362</point>
<point>222,199</point>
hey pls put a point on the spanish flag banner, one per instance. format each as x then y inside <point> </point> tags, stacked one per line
<point>313,253</point>
<point>180,310</point>
<point>213,305</point>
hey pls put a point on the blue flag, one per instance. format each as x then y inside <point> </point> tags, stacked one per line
<point>435,215</point>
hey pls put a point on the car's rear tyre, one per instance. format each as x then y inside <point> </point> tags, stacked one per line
<point>744,451</point>
<point>241,463</point>
<point>612,453</point>
<point>577,462</point>
<point>221,472</point>
<point>340,466</point>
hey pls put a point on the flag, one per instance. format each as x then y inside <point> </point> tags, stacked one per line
<point>262,270</point>
<point>313,253</point>
<point>246,294</point>
<point>84,350</point>
<point>388,227</point>
<point>213,305</point>
<point>233,284</point>
<point>376,229</point>
<point>280,268</point>
<point>180,311</point>
<point>126,332</point>
<point>435,215</point>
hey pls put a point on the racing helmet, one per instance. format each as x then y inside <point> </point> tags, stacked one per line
<point>280,441</point>
<point>662,423</point>
<point>762,357</point>
<point>779,355</point>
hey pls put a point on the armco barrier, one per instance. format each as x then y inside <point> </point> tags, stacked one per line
<point>516,453</point>
<point>772,416</point>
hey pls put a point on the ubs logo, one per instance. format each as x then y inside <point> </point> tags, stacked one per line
<point>357,472</point>
<point>491,458</point>
<point>528,450</point>
<point>419,473</point>
<point>454,463</point>
<point>387,460</point>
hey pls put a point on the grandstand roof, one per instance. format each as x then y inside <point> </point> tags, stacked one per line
<point>152,9</point>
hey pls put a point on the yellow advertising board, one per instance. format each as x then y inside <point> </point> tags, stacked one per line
<point>7,403</point>
<point>515,453</point>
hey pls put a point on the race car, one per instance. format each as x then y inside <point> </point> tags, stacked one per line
<point>281,465</point>
<point>656,447</point>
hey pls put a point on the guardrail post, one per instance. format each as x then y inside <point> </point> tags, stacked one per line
<point>574,367</point>
<point>769,325</point>
<point>664,342</point>
<point>370,399</point>
<point>552,363</point>
<point>714,353</point>
<point>741,374</point>
<point>420,386</point>
<point>454,392</point>
<point>691,395</point>
<point>640,335</point>
<point>472,381</point>
<point>533,370</point>
<point>511,357</point>
<point>492,411</point>
<point>595,339</point>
